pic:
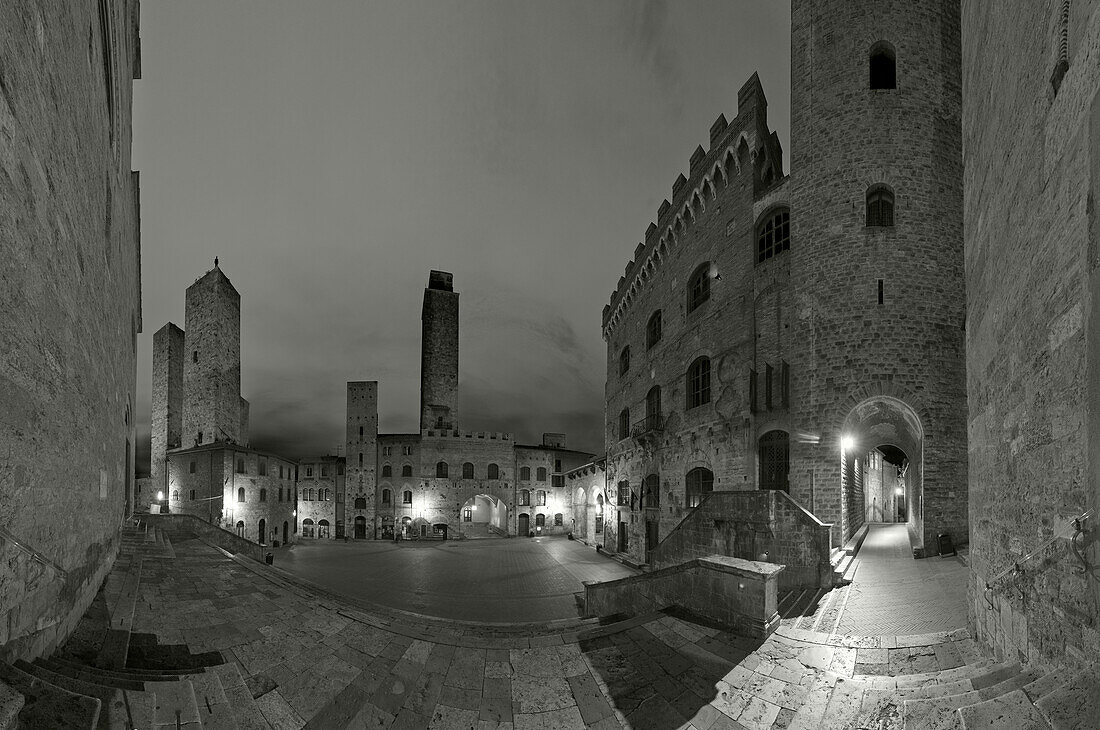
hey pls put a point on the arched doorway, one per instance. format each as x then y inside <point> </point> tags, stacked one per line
<point>240,528</point>
<point>307,527</point>
<point>774,456</point>
<point>286,531</point>
<point>483,515</point>
<point>360,527</point>
<point>322,529</point>
<point>877,434</point>
<point>405,523</point>
<point>387,527</point>
<point>523,528</point>
<point>263,532</point>
<point>598,526</point>
<point>580,513</point>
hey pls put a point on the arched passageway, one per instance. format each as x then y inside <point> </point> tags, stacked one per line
<point>886,477</point>
<point>482,514</point>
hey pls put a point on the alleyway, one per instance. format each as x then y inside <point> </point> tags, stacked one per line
<point>894,594</point>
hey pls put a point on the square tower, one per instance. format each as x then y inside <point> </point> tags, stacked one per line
<point>361,454</point>
<point>212,362</point>
<point>167,416</point>
<point>439,354</point>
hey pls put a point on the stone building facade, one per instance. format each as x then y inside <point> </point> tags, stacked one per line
<point>321,493</point>
<point>70,270</point>
<point>772,330</point>
<point>1031,131</point>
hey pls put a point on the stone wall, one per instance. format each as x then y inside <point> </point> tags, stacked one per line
<point>440,500</point>
<point>321,490</point>
<point>167,410</point>
<point>740,594</point>
<point>397,451</point>
<point>588,485</point>
<point>1031,127</point>
<point>224,539</point>
<point>758,525</point>
<point>70,291</point>
<point>905,353</point>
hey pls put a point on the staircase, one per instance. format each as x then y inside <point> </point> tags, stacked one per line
<point>480,531</point>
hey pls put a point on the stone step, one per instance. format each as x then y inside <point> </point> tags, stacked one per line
<point>788,600</point>
<point>11,702</point>
<point>66,666</point>
<point>175,703</point>
<point>112,712</point>
<point>215,710</point>
<point>940,712</point>
<point>1075,703</point>
<point>1012,709</point>
<point>104,677</point>
<point>850,572</point>
<point>242,706</point>
<point>48,706</point>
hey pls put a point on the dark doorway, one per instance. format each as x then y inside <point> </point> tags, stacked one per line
<point>775,460</point>
<point>263,532</point>
<point>524,525</point>
<point>286,531</point>
<point>624,538</point>
<point>423,530</point>
<point>651,531</point>
<point>360,528</point>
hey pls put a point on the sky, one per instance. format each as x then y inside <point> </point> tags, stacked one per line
<point>331,153</point>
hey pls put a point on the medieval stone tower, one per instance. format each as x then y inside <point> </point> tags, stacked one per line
<point>212,406</point>
<point>439,353</point>
<point>167,412</point>
<point>877,258</point>
<point>362,458</point>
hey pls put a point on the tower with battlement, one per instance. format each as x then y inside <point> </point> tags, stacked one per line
<point>439,354</point>
<point>212,362</point>
<point>167,411</point>
<point>361,453</point>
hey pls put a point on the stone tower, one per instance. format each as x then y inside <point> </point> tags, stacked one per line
<point>167,415</point>
<point>877,258</point>
<point>439,353</point>
<point>212,362</point>
<point>362,456</point>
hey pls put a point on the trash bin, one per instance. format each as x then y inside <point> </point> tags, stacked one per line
<point>946,547</point>
<point>269,558</point>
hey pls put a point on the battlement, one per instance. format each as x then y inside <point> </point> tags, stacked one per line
<point>441,280</point>
<point>456,434</point>
<point>733,152</point>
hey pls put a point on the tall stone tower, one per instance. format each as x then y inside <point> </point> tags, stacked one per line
<point>212,404</point>
<point>167,412</point>
<point>362,457</point>
<point>439,353</point>
<point>877,258</point>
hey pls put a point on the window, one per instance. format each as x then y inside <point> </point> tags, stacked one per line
<point>623,492</point>
<point>240,494</point>
<point>263,467</point>
<point>360,459</point>
<point>175,495</point>
<point>880,206</point>
<point>240,465</point>
<point>280,494</point>
<point>653,330</point>
<point>407,470</point>
<point>310,494</point>
<point>191,495</point>
<point>883,66</point>
<point>407,497</point>
<point>651,492</point>
<point>774,235</point>
<point>361,502</point>
<point>698,482</point>
<point>263,495</point>
<point>557,480</point>
<point>624,360</point>
<point>467,470</point>
<point>309,472</point>
<point>387,496</point>
<point>698,287</point>
<point>280,471</point>
<point>324,471</point>
<point>653,408</point>
<point>524,498</point>
<point>624,423</point>
<point>387,470</point>
<point>360,432</point>
<point>525,474</point>
<point>340,467</point>
<point>191,467</point>
<point>441,470</point>
<point>494,471</point>
<point>540,498</point>
<point>540,520</point>
<point>387,450</point>
<point>407,450</point>
<point>558,519</point>
<point>698,383</point>
<point>195,356</point>
<point>467,514</point>
<point>198,439</point>
<point>557,465</point>
<point>541,474</point>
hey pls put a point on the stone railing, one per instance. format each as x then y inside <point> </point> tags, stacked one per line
<point>753,525</point>
<point>224,539</point>
<point>740,594</point>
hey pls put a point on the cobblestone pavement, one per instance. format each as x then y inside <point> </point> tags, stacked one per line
<point>495,581</point>
<point>894,594</point>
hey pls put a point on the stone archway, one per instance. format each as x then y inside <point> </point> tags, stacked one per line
<point>873,422</point>
<point>484,514</point>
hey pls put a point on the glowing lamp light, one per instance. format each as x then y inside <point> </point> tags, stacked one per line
<point>900,491</point>
<point>294,513</point>
<point>847,443</point>
<point>160,496</point>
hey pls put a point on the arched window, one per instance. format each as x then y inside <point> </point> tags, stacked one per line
<point>407,497</point>
<point>175,495</point>
<point>653,330</point>
<point>240,494</point>
<point>540,520</point>
<point>192,495</point>
<point>623,491</point>
<point>494,471</point>
<point>263,495</point>
<point>524,498</point>
<point>328,495</point>
<point>880,206</point>
<point>558,519</point>
<point>651,491</point>
<point>698,287</point>
<point>624,423</point>
<point>541,474</point>
<point>773,236</point>
<point>698,482</point>
<point>387,470</point>
<point>441,470</point>
<point>387,496</point>
<point>525,473</point>
<point>624,360</point>
<point>653,408</point>
<point>467,470</point>
<point>883,66</point>
<point>698,382</point>
<point>540,498</point>
<point>407,470</point>
<point>361,502</point>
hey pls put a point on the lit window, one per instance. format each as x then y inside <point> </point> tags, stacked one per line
<point>524,498</point>
<point>540,498</point>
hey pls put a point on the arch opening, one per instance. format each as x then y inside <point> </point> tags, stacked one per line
<point>482,513</point>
